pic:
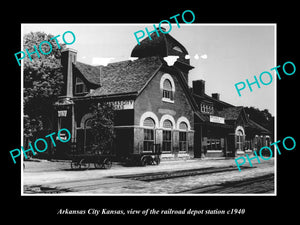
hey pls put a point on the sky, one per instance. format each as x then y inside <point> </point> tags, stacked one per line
<point>222,54</point>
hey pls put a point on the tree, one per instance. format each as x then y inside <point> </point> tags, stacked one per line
<point>262,117</point>
<point>43,82</point>
<point>102,126</point>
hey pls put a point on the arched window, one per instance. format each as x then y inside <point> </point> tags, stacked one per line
<point>88,123</point>
<point>183,124</point>
<point>167,124</point>
<point>239,139</point>
<point>167,90</point>
<point>150,115</point>
<point>183,127</point>
<point>148,143</point>
<point>167,136</point>
<point>149,122</point>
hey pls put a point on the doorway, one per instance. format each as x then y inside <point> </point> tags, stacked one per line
<point>124,142</point>
<point>239,139</point>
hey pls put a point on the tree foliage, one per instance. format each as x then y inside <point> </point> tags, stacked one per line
<point>42,82</point>
<point>102,126</point>
<point>262,117</point>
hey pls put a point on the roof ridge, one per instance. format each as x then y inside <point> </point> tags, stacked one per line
<point>119,62</point>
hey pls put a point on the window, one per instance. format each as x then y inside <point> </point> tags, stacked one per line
<point>148,143</point>
<point>167,141</point>
<point>148,140</point>
<point>80,87</point>
<point>202,108</point>
<point>167,90</point>
<point>183,136</point>
<point>167,136</point>
<point>182,141</point>
<point>167,124</point>
<point>183,126</point>
<point>208,144</point>
<point>167,87</point>
<point>206,108</point>
<point>168,95</point>
<point>239,139</point>
<point>215,143</point>
<point>149,122</point>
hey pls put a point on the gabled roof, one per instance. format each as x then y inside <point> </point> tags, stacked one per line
<point>120,77</point>
<point>255,125</point>
<point>128,77</point>
<point>231,113</point>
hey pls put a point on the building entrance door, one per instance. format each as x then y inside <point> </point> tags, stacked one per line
<point>230,152</point>
<point>239,140</point>
<point>124,138</point>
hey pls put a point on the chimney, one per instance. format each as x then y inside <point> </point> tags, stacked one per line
<point>199,87</point>
<point>68,56</point>
<point>216,96</point>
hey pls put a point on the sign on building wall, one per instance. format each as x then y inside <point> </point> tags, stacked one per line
<point>122,105</point>
<point>216,119</point>
<point>62,113</point>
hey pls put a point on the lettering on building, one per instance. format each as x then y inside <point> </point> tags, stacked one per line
<point>62,113</point>
<point>216,119</point>
<point>122,105</point>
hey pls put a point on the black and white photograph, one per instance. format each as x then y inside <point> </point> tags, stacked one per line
<point>155,116</point>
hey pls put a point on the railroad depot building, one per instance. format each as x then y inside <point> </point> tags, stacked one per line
<point>154,106</point>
